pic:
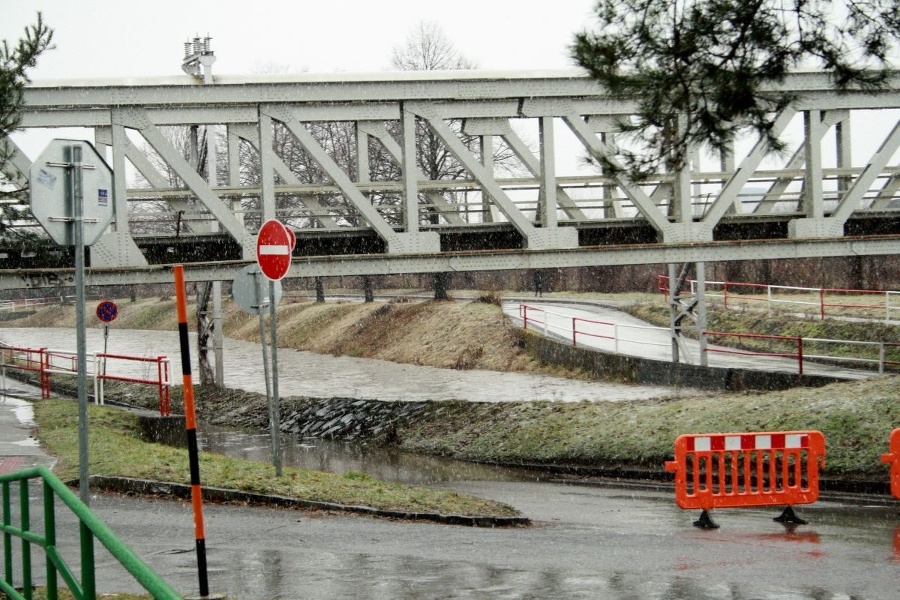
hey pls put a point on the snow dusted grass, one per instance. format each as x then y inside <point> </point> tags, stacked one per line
<point>856,418</point>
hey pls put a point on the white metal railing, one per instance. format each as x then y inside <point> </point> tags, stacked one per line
<point>26,303</point>
<point>833,302</point>
<point>572,328</point>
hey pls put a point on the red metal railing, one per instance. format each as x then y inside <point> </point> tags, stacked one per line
<point>576,332</point>
<point>733,291</point>
<point>893,458</point>
<point>46,362</point>
<point>26,359</point>
<point>162,381</point>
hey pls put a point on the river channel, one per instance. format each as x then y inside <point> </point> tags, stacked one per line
<point>315,375</point>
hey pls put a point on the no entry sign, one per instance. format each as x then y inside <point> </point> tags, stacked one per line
<point>273,249</point>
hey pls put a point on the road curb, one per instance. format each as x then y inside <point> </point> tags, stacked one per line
<point>146,487</point>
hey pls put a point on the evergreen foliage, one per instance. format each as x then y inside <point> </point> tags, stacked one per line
<point>702,71</point>
<point>15,60</point>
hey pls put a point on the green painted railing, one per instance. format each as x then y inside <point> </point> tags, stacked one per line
<point>90,528</point>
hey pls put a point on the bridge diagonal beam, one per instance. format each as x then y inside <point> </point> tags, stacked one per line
<point>670,229</point>
<point>797,160</point>
<point>641,200</point>
<point>377,130</point>
<point>396,243</point>
<point>137,119</point>
<point>816,224</point>
<point>503,128</point>
<point>853,198</point>
<point>748,166</point>
<point>319,213</point>
<point>534,238</point>
<point>21,164</point>
<point>136,157</point>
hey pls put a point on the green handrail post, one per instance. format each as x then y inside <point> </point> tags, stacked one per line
<point>25,519</point>
<point>90,527</point>
<point>50,537</point>
<point>88,585</point>
<point>7,538</point>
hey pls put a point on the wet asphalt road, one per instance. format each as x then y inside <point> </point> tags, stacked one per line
<point>586,542</point>
<point>599,542</point>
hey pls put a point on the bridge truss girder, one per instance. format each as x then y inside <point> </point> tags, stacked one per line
<point>546,210</point>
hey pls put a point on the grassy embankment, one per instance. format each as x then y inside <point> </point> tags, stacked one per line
<point>116,450</point>
<point>856,417</point>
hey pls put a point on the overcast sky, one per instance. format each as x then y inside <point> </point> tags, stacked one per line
<point>106,38</point>
<point>115,39</point>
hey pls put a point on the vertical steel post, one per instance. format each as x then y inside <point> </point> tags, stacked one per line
<point>88,576</point>
<point>265,301</point>
<point>674,287</point>
<point>75,193</point>
<point>25,518</point>
<point>50,538</point>
<point>7,537</point>
<point>191,426</point>
<point>275,407</point>
<point>701,311</point>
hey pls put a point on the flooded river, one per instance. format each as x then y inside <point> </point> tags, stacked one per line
<point>325,376</point>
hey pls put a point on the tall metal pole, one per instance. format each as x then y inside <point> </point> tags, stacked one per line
<point>273,419</point>
<point>74,176</point>
<point>275,409</point>
<point>190,423</point>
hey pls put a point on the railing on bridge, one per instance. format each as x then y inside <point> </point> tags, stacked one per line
<point>45,537</point>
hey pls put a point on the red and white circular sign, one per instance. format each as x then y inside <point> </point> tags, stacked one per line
<point>273,249</point>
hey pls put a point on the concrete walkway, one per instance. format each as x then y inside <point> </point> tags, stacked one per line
<point>18,448</point>
<point>597,323</point>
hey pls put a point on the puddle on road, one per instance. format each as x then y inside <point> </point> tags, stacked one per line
<point>339,457</point>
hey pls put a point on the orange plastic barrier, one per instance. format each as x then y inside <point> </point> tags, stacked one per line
<point>725,470</point>
<point>893,459</point>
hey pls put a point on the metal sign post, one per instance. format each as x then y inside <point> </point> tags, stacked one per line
<point>76,194</point>
<point>275,409</point>
<point>70,220</point>
<point>270,374</point>
<point>249,292</point>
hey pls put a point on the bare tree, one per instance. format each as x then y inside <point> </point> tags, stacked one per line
<point>427,48</point>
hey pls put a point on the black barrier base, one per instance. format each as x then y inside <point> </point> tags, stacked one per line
<point>705,521</point>
<point>789,517</point>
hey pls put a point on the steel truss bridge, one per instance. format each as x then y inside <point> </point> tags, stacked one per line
<point>371,209</point>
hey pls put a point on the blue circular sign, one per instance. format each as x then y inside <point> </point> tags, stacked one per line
<point>107,311</point>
